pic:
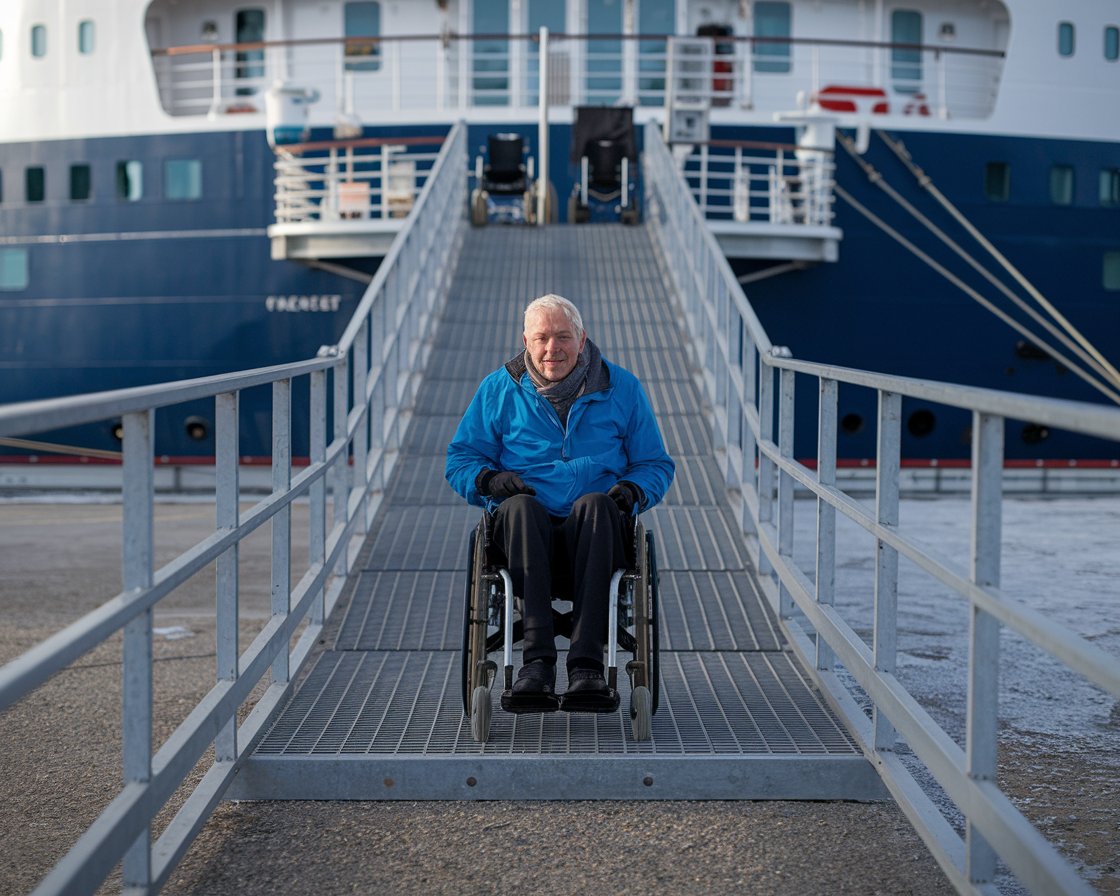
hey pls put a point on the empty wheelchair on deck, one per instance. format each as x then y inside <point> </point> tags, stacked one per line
<point>604,147</point>
<point>492,622</point>
<point>505,190</point>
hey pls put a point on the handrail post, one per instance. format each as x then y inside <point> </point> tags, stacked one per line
<point>341,475</point>
<point>542,128</point>
<point>983,657</point>
<point>282,521</point>
<point>826,513</point>
<point>785,487</point>
<point>765,464</point>
<point>887,469</point>
<point>227,518</point>
<point>317,494</point>
<point>136,573</point>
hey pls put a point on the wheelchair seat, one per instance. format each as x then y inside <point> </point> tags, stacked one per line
<point>505,172</point>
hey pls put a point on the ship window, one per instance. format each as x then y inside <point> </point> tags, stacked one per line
<point>182,178</point>
<point>81,182</point>
<point>1111,43</point>
<point>906,61</point>
<point>85,36</point>
<point>38,41</point>
<point>551,15</point>
<point>36,184</point>
<point>1061,185</point>
<point>362,20</point>
<point>1111,273</point>
<point>654,17</point>
<point>997,181</point>
<point>490,65</point>
<point>249,64</point>
<point>772,20</point>
<point>1,44</point>
<point>13,269</point>
<point>130,180</point>
<point>604,57</point>
<point>1110,186</point>
<point>1065,38</point>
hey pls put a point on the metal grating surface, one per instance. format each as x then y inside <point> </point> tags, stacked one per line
<point>388,686</point>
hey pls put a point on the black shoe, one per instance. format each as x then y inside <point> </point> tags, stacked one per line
<point>588,692</point>
<point>586,681</point>
<point>534,690</point>
<point>536,677</point>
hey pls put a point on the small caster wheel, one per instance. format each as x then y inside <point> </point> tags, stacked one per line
<point>480,714</point>
<point>641,713</point>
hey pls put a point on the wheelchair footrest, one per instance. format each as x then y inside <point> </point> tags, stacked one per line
<point>526,703</point>
<point>591,701</point>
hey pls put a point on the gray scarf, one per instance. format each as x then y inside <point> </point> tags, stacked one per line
<point>562,395</point>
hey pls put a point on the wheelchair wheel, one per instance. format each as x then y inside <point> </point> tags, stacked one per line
<point>479,213</point>
<point>475,671</point>
<point>481,711</point>
<point>646,673</point>
<point>641,713</point>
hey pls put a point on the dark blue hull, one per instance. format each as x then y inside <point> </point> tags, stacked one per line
<point>124,293</point>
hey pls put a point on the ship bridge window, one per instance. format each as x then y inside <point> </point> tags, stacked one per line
<point>1110,187</point>
<point>85,36</point>
<point>38,41</point>
<point>36,184</point>
<point>490,66</point>
<point>1061,185</point>
<point>654,17</point>
<point>249,64</point>
<point>1110,276</point>
<point>906,61</point>
<point>551,15</point>
<point>13,269</point>
<point>81,183</point>
<point>1111,43</point>
<point>997,181</point>
<point>182,179</point>
<point>1065,38</point>
<point>130,180</point>
<point>362,20</point>
<point>772,20</point>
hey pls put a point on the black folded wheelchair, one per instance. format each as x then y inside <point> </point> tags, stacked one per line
<point>492,622</point>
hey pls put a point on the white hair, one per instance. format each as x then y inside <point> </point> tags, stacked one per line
<point>553,302</point>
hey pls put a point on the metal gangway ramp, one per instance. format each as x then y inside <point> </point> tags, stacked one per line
<point>380,714</point>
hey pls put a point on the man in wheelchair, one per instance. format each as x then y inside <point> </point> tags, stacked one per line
<point>560,445</point>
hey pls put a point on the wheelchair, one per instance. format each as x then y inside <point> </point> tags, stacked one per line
<point>492,622</point>
<point>603,146</point>
<point>505,191</point>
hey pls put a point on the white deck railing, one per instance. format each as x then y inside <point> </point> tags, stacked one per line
<point>426,74</point>
<point>361,388</point>
<point>750,385</point>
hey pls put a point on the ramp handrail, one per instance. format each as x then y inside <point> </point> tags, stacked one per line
<point>750,385</point>
<point>362,387</point>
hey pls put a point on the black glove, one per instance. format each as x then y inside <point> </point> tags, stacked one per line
<point>625,495</point>
<point>502,485</point>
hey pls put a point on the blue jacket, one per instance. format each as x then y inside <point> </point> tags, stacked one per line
<point>611,435</point>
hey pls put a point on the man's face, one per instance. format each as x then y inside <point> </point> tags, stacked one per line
<point>552,343</point>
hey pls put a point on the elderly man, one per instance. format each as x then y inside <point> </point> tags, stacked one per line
<point>560,444</point>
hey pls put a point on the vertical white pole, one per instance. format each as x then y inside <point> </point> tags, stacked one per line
<point>888,468</point>
<point>542,129</point>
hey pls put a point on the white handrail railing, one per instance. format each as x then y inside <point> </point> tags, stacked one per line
<point>750,385</point>
<point>361,387</point>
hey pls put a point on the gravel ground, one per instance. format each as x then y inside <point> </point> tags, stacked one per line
<point>59,767</point>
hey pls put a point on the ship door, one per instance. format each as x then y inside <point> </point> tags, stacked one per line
<point>723,58</point>
<point>249,63</point>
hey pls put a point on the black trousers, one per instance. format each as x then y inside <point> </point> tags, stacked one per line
<point>564,557</point>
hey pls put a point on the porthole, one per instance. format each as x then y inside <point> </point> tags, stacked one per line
<point>1034,433</point>
<point>921,423</point>
<point>197,428</point>
<point>851,424</point>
